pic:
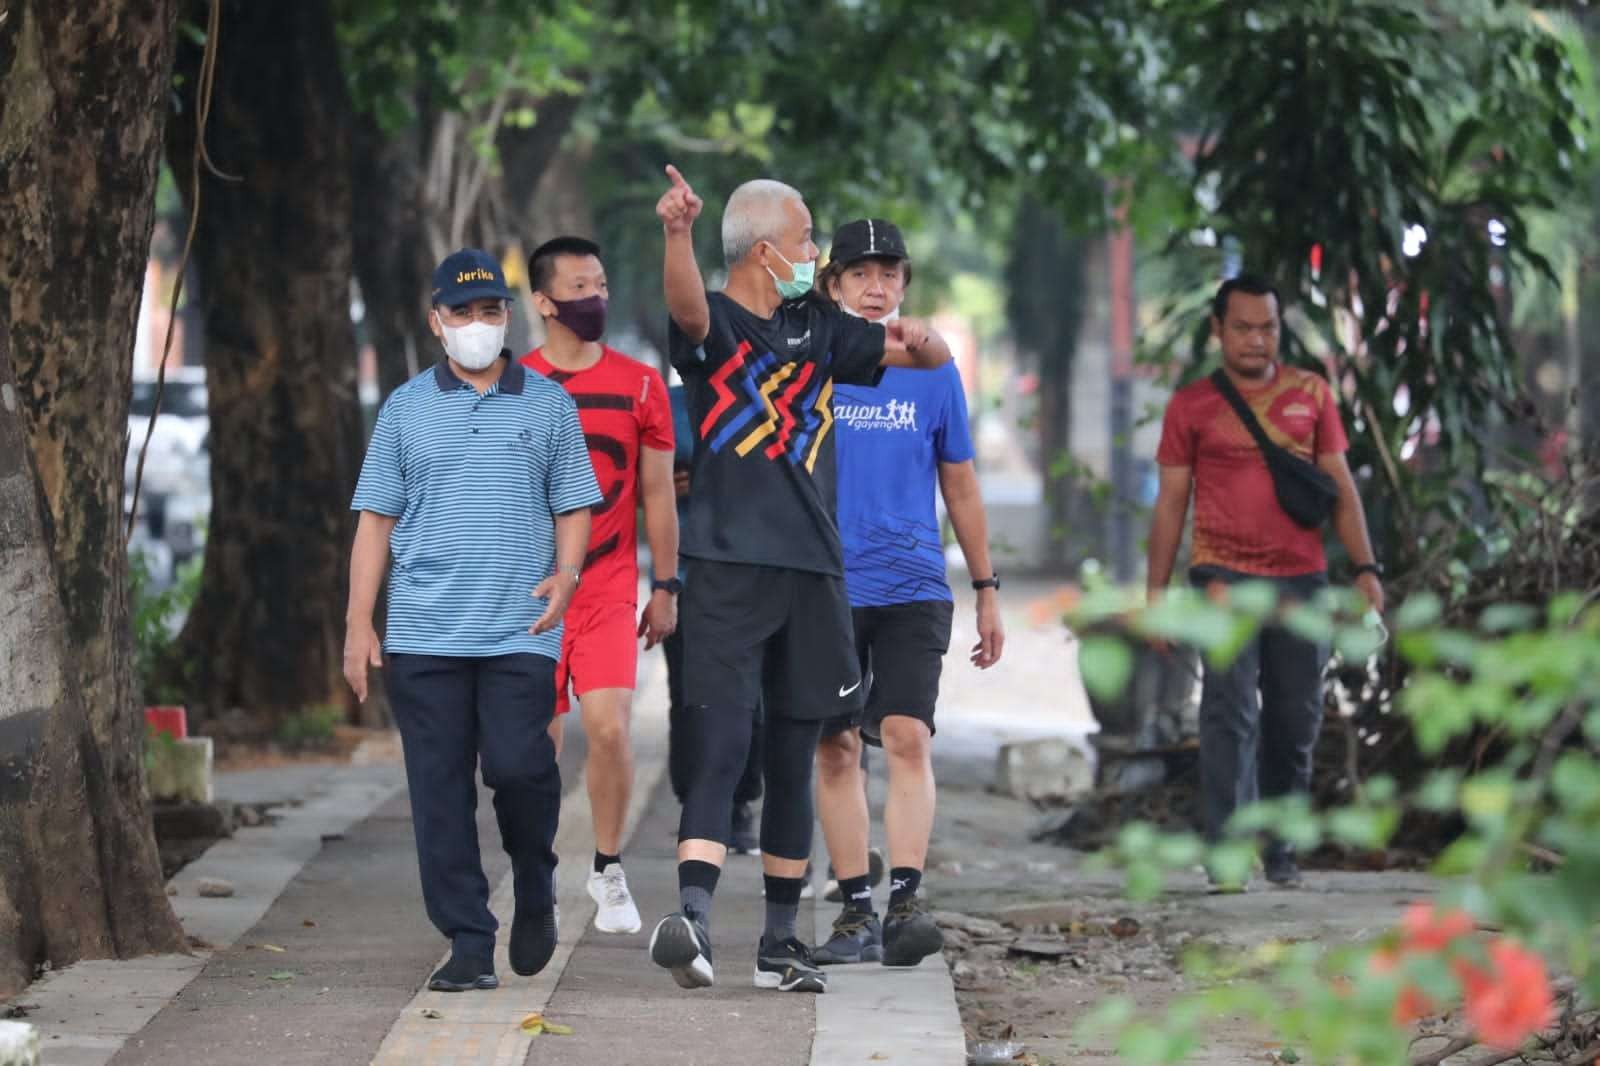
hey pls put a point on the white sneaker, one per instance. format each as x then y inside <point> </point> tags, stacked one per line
<point>617,913</point>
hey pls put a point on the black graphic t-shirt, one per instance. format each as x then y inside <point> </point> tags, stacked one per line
<point>760,392</point>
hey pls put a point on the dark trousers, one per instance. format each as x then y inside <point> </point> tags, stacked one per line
<point>1259,716</point>
<point>680,752</point>
<point>454,715</point>
<point>721,738</point>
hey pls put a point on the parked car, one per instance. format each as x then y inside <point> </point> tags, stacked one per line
<point>175,493</point>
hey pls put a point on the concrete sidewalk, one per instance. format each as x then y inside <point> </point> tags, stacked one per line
<point>321,956</point>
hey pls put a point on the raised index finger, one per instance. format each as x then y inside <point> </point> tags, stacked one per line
<point>676,178</point>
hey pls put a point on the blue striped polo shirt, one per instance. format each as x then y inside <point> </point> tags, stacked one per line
<point>476,482</point>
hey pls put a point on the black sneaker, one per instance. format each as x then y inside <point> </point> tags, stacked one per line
<point>876,868</point>
<point>533,940</point>
<point>681,944</point>
<point>743,840</point>
<point>1284,872</point>
<point>857,937</point>
<point>910,934</point>
<point>788,967</point>
<point>464,973</point>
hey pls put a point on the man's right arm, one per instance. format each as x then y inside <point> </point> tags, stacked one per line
<point>369,558</point>
<point>1166,528</point>
<point>685,288</point>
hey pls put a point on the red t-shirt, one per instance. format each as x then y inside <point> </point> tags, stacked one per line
<point>622,404</point>
<point>1238,524</point>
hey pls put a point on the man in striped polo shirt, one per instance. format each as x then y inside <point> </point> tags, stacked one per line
<point>478,484</point>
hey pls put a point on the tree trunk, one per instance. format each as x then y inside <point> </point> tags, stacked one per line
<point>82,90</point>
<point>273,251</point>
<point>391,249</point>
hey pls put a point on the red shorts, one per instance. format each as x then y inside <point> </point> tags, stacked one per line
<point>599,649</point>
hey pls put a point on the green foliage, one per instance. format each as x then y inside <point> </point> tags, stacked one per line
<point>310,728</point>
<point>1527,861</point>
<point>155,616</point>
<point>158,748</point>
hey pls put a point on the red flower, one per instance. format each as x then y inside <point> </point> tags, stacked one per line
<point>1513,1001</point>
<point>1427,929</point>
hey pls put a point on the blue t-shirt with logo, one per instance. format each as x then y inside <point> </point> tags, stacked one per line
<point>892,438</point>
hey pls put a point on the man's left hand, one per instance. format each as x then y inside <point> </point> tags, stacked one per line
<point>991,632</point>
<point>556,590</point>
<point>659,619</point>
<point>1371,588</point>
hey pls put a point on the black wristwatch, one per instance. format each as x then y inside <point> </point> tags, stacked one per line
<point>1375,569</point>
<point>988,583</point>
<point>671,584</point>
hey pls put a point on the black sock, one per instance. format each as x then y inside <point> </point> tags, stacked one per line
<point>696,882</point>
<point>857,893</point>
<point>783,906</point>
<point>602,860</point>
<point>905,880</point>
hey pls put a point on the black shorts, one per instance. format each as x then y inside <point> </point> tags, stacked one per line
<point>901,649</point>
<point>768,636</point>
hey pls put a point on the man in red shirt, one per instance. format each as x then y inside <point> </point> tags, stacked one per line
<point>627,423</point>
<point>1260,715</point>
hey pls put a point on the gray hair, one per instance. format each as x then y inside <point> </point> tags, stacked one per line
<point>754,214</point>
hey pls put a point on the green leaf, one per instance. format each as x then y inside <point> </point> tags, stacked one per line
<point>1308,623</point>
<point>1364,827</point>
<point>1106,663</point>
<point>1440,790</point>
<point>1507,617</point>
<point>1488,796</point>
<point>1419,611</point>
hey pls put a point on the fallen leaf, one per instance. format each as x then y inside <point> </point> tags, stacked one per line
<point>429,1012</point>
<point>878,1056</point>
<point>309,924</point>
<point>536,1023</point>
<point>281,975</point>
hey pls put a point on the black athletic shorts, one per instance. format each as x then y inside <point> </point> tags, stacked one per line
<point>901,649</point>
<point>768,636</point>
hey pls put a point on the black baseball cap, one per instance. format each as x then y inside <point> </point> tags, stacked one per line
<point>866,238</point>
<point>467,275</point>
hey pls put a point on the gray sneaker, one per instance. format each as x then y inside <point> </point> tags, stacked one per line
<point>857,937</point>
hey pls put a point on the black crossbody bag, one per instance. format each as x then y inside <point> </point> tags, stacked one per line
<point>1305,491</point>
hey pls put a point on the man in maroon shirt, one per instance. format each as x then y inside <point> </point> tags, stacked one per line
<point>627,424</point>
<point>1259,716</point>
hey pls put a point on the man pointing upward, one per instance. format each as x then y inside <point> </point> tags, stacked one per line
<point>764,611</point>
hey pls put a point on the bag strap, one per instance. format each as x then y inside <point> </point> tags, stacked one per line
<point>1224,385</point>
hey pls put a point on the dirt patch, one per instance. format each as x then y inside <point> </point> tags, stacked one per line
<point>1037,937</point>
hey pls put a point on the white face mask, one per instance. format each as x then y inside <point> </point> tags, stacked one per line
<point>890,317</point>
<point>475,345</point>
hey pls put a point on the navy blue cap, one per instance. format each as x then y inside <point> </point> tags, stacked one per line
<point>467,275</point>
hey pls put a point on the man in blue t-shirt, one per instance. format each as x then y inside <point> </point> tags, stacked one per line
<point>896,441</point>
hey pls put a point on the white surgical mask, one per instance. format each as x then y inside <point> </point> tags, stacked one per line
<point>475,345</point>
<point>890,317</point>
